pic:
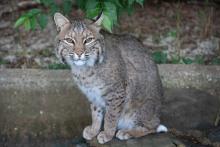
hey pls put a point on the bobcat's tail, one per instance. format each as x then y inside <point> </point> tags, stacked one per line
<point>161,128</point>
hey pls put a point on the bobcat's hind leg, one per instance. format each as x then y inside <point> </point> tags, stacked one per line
<point>124,134</point>
<point>136,125</point>
<point>97,116</point>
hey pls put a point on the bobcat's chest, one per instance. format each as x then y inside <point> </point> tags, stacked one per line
<point>93,94</point>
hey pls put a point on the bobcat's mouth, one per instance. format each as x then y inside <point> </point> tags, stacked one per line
<point>79,62</point>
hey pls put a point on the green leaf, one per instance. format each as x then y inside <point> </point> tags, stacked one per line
<point>110,11</point>
<point>27,24</point>
<point>67,6</point>
<point>130,2</point>
<point>81,4</point>
<point>163,58</point>
<point>58,66</point>
<point>159,57</point>
<point>28,19</point>
<point>175,60</point>
<point>47,3</point>
<point>33,22</point>
<point>141,2</point>
<point>199,59</point>
<point>172,33</point>
<point>20,21</point>
<point>42,20</point>
<point>156,57</point>
<point>3,61</point>
<point>117,3</point>
<point>215,61</point>
<point>110,15</point>
<point>187,60</point>
<point>93,8</point>
<point>34,12</point>
<point>54,8</point>
<point>107,23</point>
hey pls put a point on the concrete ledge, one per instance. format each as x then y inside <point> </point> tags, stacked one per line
<point>206,78</point>
<point>34,78</point>
<point>45,103</point>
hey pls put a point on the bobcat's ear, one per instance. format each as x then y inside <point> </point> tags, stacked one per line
<point>97,24</point>
<point>61,21</point>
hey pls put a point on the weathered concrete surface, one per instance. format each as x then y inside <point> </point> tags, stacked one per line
<point>159,140</point>
<point>41,103</point>
<point>46,104</point>
<point>205,78</point>
<point>187,109</point>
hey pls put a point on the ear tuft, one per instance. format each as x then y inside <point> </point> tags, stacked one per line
<point>60,21</point>
<point>97,24</point>
<point>98,19</point>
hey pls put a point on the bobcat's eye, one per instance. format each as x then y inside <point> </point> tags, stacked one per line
<point>69,40</point>
<point>88,40</point>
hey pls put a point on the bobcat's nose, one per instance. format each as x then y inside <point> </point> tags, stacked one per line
<point>79,52</point>
<point>80,56</point>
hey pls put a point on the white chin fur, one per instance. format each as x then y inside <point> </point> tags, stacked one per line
<point>79,63</point>
<point>161,128</point>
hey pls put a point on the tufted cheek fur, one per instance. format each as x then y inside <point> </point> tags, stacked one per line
<point>79,31</point>
<point>61,52</point>
<point>94,53</point>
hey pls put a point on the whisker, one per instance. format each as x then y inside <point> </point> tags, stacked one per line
<point>71,54</point>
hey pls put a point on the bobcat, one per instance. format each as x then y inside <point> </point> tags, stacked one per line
<point>117,76</point>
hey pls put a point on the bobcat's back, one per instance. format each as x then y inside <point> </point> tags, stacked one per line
<point>140,71</point>
<point>143,85</point>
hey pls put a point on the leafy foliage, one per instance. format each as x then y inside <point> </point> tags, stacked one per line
<point>2,62</point>
<point>160,57</point>
<point>199,60</point>
<point>29,19</point>
<point>58,66</point>
<point>111,9</point>
<point>216,61</point>
<point>172,33</point>
<point>187,61</point>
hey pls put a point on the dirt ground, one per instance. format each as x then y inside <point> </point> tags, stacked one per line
<point>185,30</point>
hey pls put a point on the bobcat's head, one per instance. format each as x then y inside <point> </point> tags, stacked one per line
<point>79,42</point>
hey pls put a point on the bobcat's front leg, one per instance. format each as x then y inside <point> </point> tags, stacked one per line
<point>97,116</point>
<point>113,111</point>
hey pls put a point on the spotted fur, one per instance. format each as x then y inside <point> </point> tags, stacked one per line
<point>117,76</point>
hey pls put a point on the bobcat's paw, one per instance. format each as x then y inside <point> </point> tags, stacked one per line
<point>104,137</point>
<point>89,133</point>
<point>123,135</point>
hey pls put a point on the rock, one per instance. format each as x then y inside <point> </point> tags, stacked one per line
<point>186,109</point>
<point>215,135</point>
<point>4,24</point>
<point>10,58</point>
<point>206,48</point>
<point>154,140</point>
<point>209,46</point>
